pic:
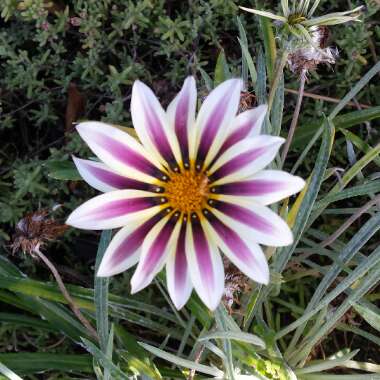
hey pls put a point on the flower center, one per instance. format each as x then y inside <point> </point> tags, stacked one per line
<point>187,191</point>
<point>296,18</point>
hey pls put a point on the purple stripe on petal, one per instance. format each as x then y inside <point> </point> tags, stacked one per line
<point>211,129</point>
<point>203,254</point>
<point>237,135</point>
<point>158,247</point>
<point>254,187</point>
<point>158,136</point>
<point>133,241</point>
<point>180,125</point>
<point>231,239</point>
<point>180,262</point>
<point>237,163</point>
<point>244,215</point>
<point>120,207</point>
<point>115,180</point>
<point>126,155</point>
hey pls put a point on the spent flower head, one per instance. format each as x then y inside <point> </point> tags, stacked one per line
<point>303,36</point>
<point>193,187</point>
<point>35,230</point>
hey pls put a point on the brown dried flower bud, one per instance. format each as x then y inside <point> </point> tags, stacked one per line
<point>307,58</point>
<point>35,230</point>
<point>247,101</point>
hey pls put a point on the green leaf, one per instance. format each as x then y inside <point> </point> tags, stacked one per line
<point>240,336</point>
<point>323,365</point>
<point>206,79</point>
<point>372,270</point>
<point>182,362</point>
<point>9,373</point>
<point>243,40</point>
<point>306,131</point>
<point>101,293</point>
<point>269,46</point>
<point>270,15</point>
<point>320,299</point>
<point>360,144</point>
<point>106,363</point>
<point>27,363</point>
<point>26,321</point>
<point>348,176</point>
<point>136,356</point>
<point>63,170</point>
<point>318,376</point>
<point>249,61</point>
<point>370,315</point>
<point>222,71</point>
<point>355,191</point>
<point>277,109</point>
<point>359,332</point>
<point>222,324</point>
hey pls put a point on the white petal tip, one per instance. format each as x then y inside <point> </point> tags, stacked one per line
<point>263,277</point>
<point>137,285</point>
<point>263,108</point>
<point>179,304</point>
<point>103,271</point>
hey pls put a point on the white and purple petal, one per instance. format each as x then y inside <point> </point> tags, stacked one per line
<point>115,209</point>
<point>247,124</point>
<point>215,115</point>
<point>205,264</point>
<point>155,249</point>
<point>265,225</point>
<point>152,125</point>
<point>120,152</point>
<point>244,159</point>
<point>124,249</point>
<point>265,187</point>
<point>177,272</point>
<point>104,179</point>
<point>181,115</point>
<point>243,251</point>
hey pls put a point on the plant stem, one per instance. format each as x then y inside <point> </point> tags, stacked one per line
<point>65,293</point>
<point>276,79</point>
<point>296,114</point>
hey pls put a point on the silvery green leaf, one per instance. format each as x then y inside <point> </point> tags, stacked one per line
<point>265,14</point>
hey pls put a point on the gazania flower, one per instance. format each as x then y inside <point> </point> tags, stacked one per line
<point>193,187</point>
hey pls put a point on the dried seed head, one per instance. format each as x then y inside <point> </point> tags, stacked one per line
<point>307,58</point>
<point>236,283</point>
<point>35,230</point>
<point>247,101</point>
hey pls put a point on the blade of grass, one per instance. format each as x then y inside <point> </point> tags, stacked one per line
<point>366,283</point>
<point>326,364</point>
<point>9,374</point>
<point>28,363</point>
<point>101,293</point>
<point>182,362</point>
<point>227,348</point>
<point>359,271</point>
<point>107,364</point>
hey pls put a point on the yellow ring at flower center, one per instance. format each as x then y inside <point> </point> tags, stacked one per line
<point>187,191</point>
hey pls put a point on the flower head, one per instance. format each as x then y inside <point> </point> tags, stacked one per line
<point>304,36</point>
<point>35,230</point>
<point>194,186</point>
